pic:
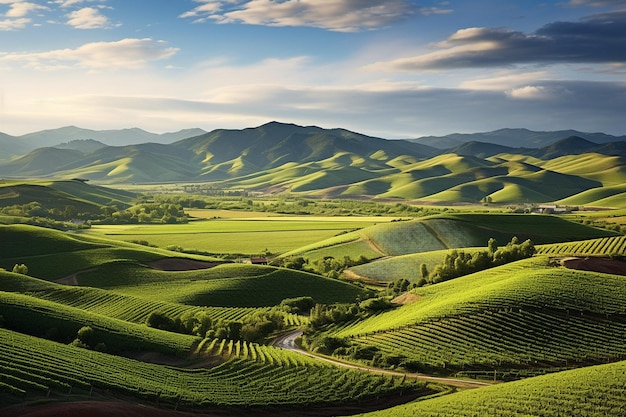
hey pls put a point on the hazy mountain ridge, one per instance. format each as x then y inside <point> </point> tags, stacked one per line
<point>14,146</point>
<point>278,157</point>
<point>514,138</point>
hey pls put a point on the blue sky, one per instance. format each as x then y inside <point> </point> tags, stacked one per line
<point>388,68</point>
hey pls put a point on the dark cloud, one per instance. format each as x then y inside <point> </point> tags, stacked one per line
<point>600,38</point>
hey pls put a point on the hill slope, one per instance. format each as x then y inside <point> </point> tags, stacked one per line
<point>590,392</point>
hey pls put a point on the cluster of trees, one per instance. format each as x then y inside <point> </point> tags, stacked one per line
<point>322,315</point>
<point>229,201</point>
<point>328,266</point>
<point>458,263</point>
<point>144,213</point>
<point>86,338</point>
<point>37,209</point>
<point>253,328</point>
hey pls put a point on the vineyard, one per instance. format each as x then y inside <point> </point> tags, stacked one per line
<point>596,391</point>
<point>222,286</point>
<point>32,366</point>
<point>615,245</point>
<point>524,314</point>
<point>448,231</point>
<point>110,304</point>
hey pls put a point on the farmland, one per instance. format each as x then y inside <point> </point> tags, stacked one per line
<point>169,315</point>
<point>239,235</point>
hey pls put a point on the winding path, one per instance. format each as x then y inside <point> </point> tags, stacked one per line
<point>288,342</point>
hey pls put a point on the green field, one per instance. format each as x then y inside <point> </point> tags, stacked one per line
<point>596,391</point>
<point>523,315</point>
<point>238,236</point>
<point>192,332</point>
<point>439,232</point>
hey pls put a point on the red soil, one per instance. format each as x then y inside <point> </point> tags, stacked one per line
<point>596,264</point>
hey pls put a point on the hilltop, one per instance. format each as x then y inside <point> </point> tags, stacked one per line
<point>311,161</point>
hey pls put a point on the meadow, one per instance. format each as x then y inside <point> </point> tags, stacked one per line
<point>514,321</point>
<point>237,233</point>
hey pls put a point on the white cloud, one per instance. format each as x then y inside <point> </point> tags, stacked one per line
<point>23,8</point>
<point>529,92</point>
<point>88,18</point>
<point>13,24</point>
<point>70,3</point>
<point>126,53</point>
<point>503,80</point>
<point>334,15</point>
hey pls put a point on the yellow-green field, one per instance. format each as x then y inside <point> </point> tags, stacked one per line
<point>238,232</point>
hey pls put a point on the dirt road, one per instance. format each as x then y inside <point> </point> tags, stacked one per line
<point>288,342</point>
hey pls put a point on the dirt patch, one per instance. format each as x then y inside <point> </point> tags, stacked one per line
<point>595,264</point>
<point>406,298</point>
<point>181,264</point>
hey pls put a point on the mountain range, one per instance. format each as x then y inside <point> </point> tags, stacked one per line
<point>278,157</point>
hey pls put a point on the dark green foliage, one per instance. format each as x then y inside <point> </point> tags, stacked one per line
<point>298,305</point>
<point>375,305</point>
<point>458,263</point>
<point>20,269</point>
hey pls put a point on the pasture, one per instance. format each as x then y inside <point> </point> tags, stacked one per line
<point>238,235</point>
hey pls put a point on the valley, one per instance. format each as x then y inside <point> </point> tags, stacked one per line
<point>287,270</point>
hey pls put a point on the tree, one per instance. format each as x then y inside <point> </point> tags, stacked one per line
<point>20,269</point>
<point>492,246</point>
<point>423,271</point>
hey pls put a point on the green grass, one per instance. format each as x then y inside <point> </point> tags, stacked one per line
<point>51,254</point>
<point>31,366</point>
<point>401,267</point>
<point>524,314</point>
<point>596,391</point>
<point>59,194</point>
<point>238,236</point>
<point>223,286</point>
<point>456,231</point>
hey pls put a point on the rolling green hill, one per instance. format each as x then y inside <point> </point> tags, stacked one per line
<point>85,198</point>
<point>522,315</point>
<point>311,161</point>
<point>450,231</point>
<point>596,391</point>
<point>222,286</point>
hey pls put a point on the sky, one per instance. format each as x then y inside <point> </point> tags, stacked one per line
<point>386,68</point>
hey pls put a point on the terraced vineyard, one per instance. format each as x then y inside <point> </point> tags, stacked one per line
<point>35,366</point>
<point>596,391</point>
<point>453,231</point>
<point>615,245</point>
<point>222,286</point>
<point>525,314</point>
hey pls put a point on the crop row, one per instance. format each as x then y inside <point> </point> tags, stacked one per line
<point>595,391</point>
<point>615,245</point>
<point>254,351</point>
<point>497,339</point>
<point>526,284</point>
<point>32,366</point>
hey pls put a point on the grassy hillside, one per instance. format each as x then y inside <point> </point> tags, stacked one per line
<point>452,231</point>
<point>52,254</point>
<point>60,194</point>
<point>596,391</point>
<point>34,368</point>
<point>223,286</point>
<point>499,318</point>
